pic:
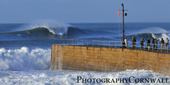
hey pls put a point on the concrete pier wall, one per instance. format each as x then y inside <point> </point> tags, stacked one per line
<point>83,58</point>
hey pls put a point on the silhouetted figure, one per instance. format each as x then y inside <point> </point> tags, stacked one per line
<point>156,43</point>
<point>148,43</point>
<point>133,42</point>
<point>162,43</point>
<point>167,43</point>
<point>142,42</point>
<point>153,43</point>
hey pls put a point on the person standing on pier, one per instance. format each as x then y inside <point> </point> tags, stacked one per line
<point>148,43</point>
<point>156,43</point>
<point>167,43</point>
<point>133,42</point>
<point>126,42</point>
<point>142,42</point>
<point>153,43</point>
<point>162,43</point>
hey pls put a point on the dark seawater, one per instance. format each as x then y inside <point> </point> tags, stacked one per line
<point>43,34</point>
<point>25,49</point>
<point>29,45</point>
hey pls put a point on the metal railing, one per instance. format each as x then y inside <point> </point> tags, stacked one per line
<point>112,44</point>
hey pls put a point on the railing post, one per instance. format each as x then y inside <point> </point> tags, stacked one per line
<point>68,41</point>
<point>87,43</point>
<point>158,49</point>
<point>92,43</point>
<point>98,43</point>
<point>152,47</point>
<point>59,41</point>
<point>82,42</point>
<point>167,49</point>
<point>147,47</point>
<point>104,43</point>
<point>144,46</point>
<point>63,41</point>
<point>140,46</point>
<point>77,42</point>
<point>161,49</point>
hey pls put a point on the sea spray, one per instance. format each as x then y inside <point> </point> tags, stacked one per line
<point>23,59</point>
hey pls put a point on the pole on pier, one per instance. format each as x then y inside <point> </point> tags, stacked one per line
<point>123,21</point>
<point>124,14</point>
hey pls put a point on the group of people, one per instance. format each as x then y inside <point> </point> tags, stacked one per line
<point>154,43</point>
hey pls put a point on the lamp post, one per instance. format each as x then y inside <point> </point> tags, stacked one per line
<point>124,14</point>
<point>123,22</point>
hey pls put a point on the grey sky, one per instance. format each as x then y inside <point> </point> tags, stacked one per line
<point>84,11</point>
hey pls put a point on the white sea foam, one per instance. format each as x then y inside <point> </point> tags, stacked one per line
<point>30,67</point>
<point>25,59</point>
<point>70,77</point>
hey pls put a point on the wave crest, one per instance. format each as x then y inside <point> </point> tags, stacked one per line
<point>54,27</point>
<point>152,32</point>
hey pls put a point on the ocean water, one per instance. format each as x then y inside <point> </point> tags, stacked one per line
<point>25,50</point>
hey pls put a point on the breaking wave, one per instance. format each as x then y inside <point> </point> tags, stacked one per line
<point>50,29</point>
<point>152,32</point>
<point>54,27</point>
<point>47,26</point>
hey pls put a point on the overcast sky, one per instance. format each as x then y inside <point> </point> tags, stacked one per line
<point>84,11</point>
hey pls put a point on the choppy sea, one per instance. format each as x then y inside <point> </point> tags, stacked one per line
<point>25,50</point>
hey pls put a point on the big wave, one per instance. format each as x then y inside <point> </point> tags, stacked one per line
<point>51,29</point>
<point>48,29</point>
<point>54,27</point>
<point>42,26</point>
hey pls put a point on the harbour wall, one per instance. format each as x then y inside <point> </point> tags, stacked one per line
<point>83,58</point>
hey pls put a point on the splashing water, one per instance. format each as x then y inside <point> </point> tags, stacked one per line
<point>23,59</point>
